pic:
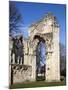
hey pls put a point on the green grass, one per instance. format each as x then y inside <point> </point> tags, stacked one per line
<point>37,84</point>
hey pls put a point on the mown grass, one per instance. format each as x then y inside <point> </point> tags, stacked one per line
<point>37,84</point>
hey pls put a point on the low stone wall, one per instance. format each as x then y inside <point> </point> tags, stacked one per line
<point>20,73</point>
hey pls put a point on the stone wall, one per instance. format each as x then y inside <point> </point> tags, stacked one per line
<point>20,73</point>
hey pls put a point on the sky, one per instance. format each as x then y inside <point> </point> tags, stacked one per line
<point>32,12</point>
<point>41,53</point>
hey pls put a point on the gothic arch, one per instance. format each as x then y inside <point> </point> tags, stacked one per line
<point>48,40</point>
<point>47,30</point>
<point>36,39</point>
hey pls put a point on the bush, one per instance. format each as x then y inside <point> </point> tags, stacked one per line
<point>62,78</point>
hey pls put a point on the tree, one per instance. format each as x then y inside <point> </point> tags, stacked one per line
<point>15,19</point>
<point>62,60</point>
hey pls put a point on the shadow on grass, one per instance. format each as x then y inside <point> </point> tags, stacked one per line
<point>37,84</point>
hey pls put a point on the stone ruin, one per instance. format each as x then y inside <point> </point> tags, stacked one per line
<point>46,29</point>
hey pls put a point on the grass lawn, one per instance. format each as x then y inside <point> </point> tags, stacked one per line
<point>37,84</point>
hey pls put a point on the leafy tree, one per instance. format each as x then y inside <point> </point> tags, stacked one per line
<point>15,19</point>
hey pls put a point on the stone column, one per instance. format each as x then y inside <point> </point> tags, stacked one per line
<point>33,67</point>
<point>13,57</point>
<point>48,68</point>
<point>55,61</point>
<point>49,52</point>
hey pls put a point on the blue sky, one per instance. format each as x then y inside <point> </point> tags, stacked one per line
<point>41,53</point>
<point>32,12</point>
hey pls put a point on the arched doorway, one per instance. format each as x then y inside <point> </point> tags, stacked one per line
<point>40,58</point>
